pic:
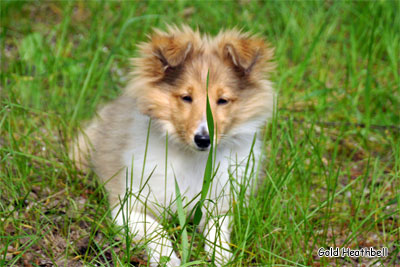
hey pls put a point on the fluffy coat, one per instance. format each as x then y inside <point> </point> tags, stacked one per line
<point>163,108</point>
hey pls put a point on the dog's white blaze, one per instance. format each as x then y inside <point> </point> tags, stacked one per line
<point>203,127</point>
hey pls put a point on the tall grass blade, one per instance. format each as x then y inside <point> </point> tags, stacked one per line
<point>208,170</point>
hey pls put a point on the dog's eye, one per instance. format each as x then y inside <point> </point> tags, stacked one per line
<point>222,101</point>
<point>187,98</point>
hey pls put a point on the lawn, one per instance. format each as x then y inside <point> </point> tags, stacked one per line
<point>332,168</point>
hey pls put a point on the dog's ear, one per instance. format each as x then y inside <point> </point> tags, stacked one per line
<point>171,50</point>
<point>163,57</point>
<point>245,53</point>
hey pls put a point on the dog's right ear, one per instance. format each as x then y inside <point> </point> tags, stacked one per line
<point>163,57</point>
<point>171,50</point>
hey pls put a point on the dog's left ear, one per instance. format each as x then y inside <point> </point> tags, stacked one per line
<point>245,53</point>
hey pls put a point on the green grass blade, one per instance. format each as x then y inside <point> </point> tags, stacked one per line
<point>209,165</point>
<point>182,222</point>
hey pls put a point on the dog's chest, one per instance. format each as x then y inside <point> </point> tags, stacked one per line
<point>152,174</point>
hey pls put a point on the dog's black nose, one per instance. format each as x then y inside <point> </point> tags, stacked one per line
<point>202,141</point>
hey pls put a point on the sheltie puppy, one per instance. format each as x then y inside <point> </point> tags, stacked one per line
<point>156,133</point>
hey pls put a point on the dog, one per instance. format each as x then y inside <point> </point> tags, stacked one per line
<point>156,132</point>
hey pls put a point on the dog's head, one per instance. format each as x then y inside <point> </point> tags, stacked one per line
<point>170,83</point>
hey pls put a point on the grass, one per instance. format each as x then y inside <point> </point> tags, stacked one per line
<point>332,173</point>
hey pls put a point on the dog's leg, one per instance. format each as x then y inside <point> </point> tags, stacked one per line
<point>147,230</point>
<point>217,236</point>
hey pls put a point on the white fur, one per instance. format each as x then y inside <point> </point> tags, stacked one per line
<point>156,187</point>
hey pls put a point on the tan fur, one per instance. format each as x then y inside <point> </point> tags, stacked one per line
<point>173,65</point>
<point>102,140</point>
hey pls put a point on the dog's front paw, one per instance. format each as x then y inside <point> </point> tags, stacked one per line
<point>217,244</point>
<point>172,261</point>
<point>222,259</point>
<point>165,261</point>
<point>221,255</point>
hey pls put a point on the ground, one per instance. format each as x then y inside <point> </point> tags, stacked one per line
<point>332,171</point>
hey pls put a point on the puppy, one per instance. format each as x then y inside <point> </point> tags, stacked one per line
<point>156,132</point>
